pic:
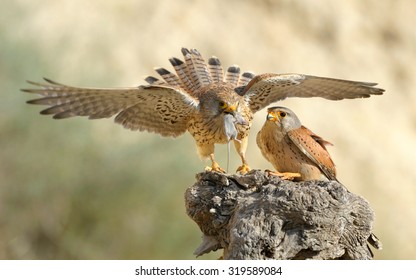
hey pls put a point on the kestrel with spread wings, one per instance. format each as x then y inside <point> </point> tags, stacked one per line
<point>214,105</point>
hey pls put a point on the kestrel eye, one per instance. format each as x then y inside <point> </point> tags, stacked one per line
<point>282,114</point>
<point>223,105</point>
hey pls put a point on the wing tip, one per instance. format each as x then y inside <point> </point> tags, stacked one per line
<point>31,83</point>
<point>48,80</point>
<point>371,87</point>
<point>46,111</point>
<point>377,91</point>
<point>34,101</point>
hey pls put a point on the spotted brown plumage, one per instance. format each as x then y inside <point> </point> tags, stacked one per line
<point>196,97</point>
<point>292,148</point>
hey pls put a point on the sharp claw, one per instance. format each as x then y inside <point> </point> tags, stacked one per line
<point>284,175</point>
<point>215,167</point>
<point>243,169</point>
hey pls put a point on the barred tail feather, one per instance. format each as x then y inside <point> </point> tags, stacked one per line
<point>153,81</point>
<point>245,78</point>
<point>190,69</point>
<point>181,71</point>
<point>201,68</point>
<point>169,77</point>
<point>233,75</point>
<point>215,69</point>
<point>194,73</point>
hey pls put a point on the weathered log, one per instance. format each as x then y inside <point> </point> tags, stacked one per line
<point>257,216</point>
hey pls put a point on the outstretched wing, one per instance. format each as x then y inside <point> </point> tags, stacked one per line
<point>265,89</point>
<point>161,109</point>
<point>313,146</point>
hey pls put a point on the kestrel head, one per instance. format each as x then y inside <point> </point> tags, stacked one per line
<point>221,100</point>
<point>283,118</point>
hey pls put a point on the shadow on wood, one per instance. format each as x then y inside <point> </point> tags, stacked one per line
<point>255,216</point>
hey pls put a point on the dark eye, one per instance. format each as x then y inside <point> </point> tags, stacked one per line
<point>223,105</point>
<point>282,114</point>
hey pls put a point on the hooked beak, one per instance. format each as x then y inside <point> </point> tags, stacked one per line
<point>271,116</point>
<point>231,109</point>
<point>238,118</point>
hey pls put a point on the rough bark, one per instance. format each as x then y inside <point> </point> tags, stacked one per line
<point>257,216</point>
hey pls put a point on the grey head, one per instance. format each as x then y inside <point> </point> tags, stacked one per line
<point>284,118</point>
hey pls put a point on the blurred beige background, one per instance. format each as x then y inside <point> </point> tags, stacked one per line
<point>80,189</point>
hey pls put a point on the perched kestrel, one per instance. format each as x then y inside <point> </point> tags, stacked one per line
<point>293,150</point>
<point>215,107</point>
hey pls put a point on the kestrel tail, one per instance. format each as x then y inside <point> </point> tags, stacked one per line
<point>214,105</point>
<point>292,149</point>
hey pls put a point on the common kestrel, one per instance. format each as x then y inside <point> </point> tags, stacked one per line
<point>292,149</point>
<point>296,152</point>
<point>213,106</point>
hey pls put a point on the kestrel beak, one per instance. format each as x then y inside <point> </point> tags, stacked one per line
<point>231,109</point>
<point>271,116</point>
<point>238,117</point>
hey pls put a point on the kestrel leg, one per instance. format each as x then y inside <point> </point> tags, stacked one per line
<point>214,166</point>
<point>241,147</point>
<point>207,150</point>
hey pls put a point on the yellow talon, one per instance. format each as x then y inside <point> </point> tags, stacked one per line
<point>215,167</point>
<point>284,175</point>
<point>243,169</point>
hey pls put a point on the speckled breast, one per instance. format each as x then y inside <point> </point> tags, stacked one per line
<point>211,131</point>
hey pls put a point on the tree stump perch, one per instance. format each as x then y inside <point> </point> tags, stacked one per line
<point>256,216</point>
